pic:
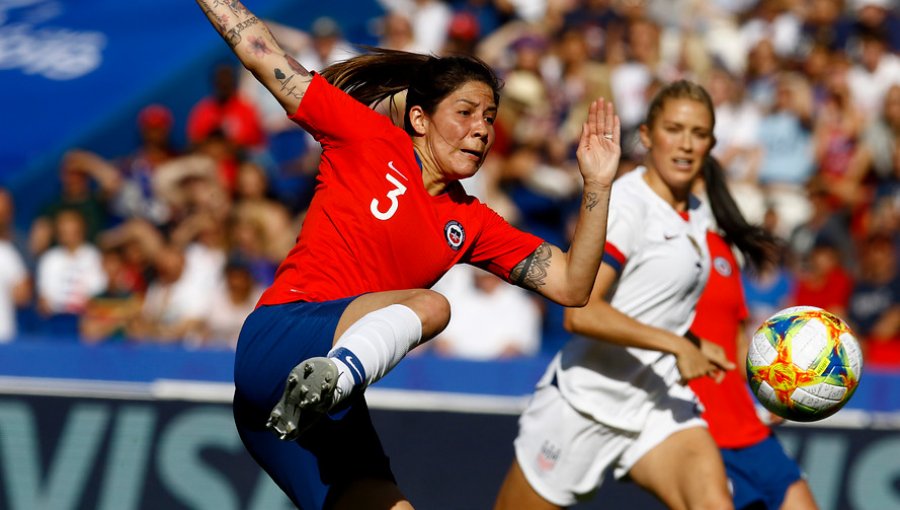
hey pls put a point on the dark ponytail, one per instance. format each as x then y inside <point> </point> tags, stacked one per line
<point>757,245</point>
<point>381,74</point>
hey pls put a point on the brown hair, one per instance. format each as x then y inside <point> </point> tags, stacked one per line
<point>382,73</point>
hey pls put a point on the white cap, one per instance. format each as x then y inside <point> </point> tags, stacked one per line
<point>884,4</point>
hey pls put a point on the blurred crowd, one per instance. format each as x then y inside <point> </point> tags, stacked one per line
<point>174,244</point>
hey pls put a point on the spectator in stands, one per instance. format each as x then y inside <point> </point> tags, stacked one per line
<point>429,19</point>
<point>79,172</point>
<point>837,127</point>
<point>774,21</point>
<point>874,311</point>
<point>68,275</point>
<point>737,140</point>
<point>874,72</point>
<point>8,229</point>
<point>489,319</point>
<point>134,197</point>
<point>174,307</point>
<point>192,183</point>
<point>109,314</point>
<point>880,16</point>
<point>630,80</point>
<point>787,152</point>
<point>873,165</point>
<point>230,305</point>
<point>580,78</point>
<point>824,282</point>
<point>248,239</point>
<point>396,32</point>
<point>826,23</point>
<point>254,198</point>
<point>462,34</point>
<point>227,111</point>
<point>203,239</point>
<point>15,278</point>
<point>761,74</point>
<point>825,225</point>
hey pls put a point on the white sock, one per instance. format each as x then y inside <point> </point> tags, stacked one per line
<point>374,345</point>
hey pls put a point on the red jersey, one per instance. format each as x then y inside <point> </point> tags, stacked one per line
<point>730,409</point>
<point>372,226</point>
<point>237,118</point>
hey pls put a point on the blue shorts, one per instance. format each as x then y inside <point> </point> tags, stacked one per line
<point>760,474</point>
<point>341,447</point>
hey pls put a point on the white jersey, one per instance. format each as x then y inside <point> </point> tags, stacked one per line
<point>662,259</point>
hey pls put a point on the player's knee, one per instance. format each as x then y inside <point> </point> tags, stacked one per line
<point>434,310</point>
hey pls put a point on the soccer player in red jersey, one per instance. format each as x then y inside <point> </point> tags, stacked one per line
<point>760,473</point>
<point>389,217</point>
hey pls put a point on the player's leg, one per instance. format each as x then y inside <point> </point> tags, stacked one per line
<point>517,493</point>
<point>374,333</point>
<point>560,455</point>
<point>338,457</point>
<point>685,471</point>
<point>799,497</point>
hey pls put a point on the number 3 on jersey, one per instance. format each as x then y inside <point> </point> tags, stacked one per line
<point>392,195</point>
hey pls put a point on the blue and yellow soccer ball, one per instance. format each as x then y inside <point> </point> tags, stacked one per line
<point>804,363</point>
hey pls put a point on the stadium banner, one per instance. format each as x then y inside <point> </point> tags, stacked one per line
<point>59,453</point>
<point>135,426</point>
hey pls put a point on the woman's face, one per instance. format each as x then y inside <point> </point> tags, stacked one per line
<point>677,143</point>
<point>460,133</point>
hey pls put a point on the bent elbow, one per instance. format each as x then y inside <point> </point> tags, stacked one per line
<point>575,300</point>
<point>572,320</point>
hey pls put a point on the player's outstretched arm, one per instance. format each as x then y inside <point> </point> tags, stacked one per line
<point>257,49</point>
<point>598,319</point>
<point>568,277</point>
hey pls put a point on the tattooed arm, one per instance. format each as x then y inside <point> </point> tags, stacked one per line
<point>568,277</point>
<point>258,50</point>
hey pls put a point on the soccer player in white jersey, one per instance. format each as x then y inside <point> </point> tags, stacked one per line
<point>615,395</point>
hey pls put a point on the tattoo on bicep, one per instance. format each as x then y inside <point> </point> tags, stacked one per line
<point>286,86</point>
<point>591,200</point>
<point>531,273</point>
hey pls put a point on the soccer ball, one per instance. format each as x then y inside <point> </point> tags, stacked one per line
<point>804,363</point>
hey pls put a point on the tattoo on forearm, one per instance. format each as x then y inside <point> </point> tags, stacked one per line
<point>234,35</point>
<point>531,273</point>
<point>286,86</point>
<point>258,46</point>
<point>297,68</point>
<point>591,200</point>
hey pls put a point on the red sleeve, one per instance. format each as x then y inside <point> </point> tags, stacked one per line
<point>334,118</point>
<point>500,246</point>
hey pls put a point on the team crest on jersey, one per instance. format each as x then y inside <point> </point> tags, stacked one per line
<point>455,234</point>
<point>723,267</point>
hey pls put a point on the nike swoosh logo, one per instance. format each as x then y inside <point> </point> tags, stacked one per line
<point>392,167</point>
<point>353,367</point>
<point>669,237</point>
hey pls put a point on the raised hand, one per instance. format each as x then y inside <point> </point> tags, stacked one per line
<point>599,148</point>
